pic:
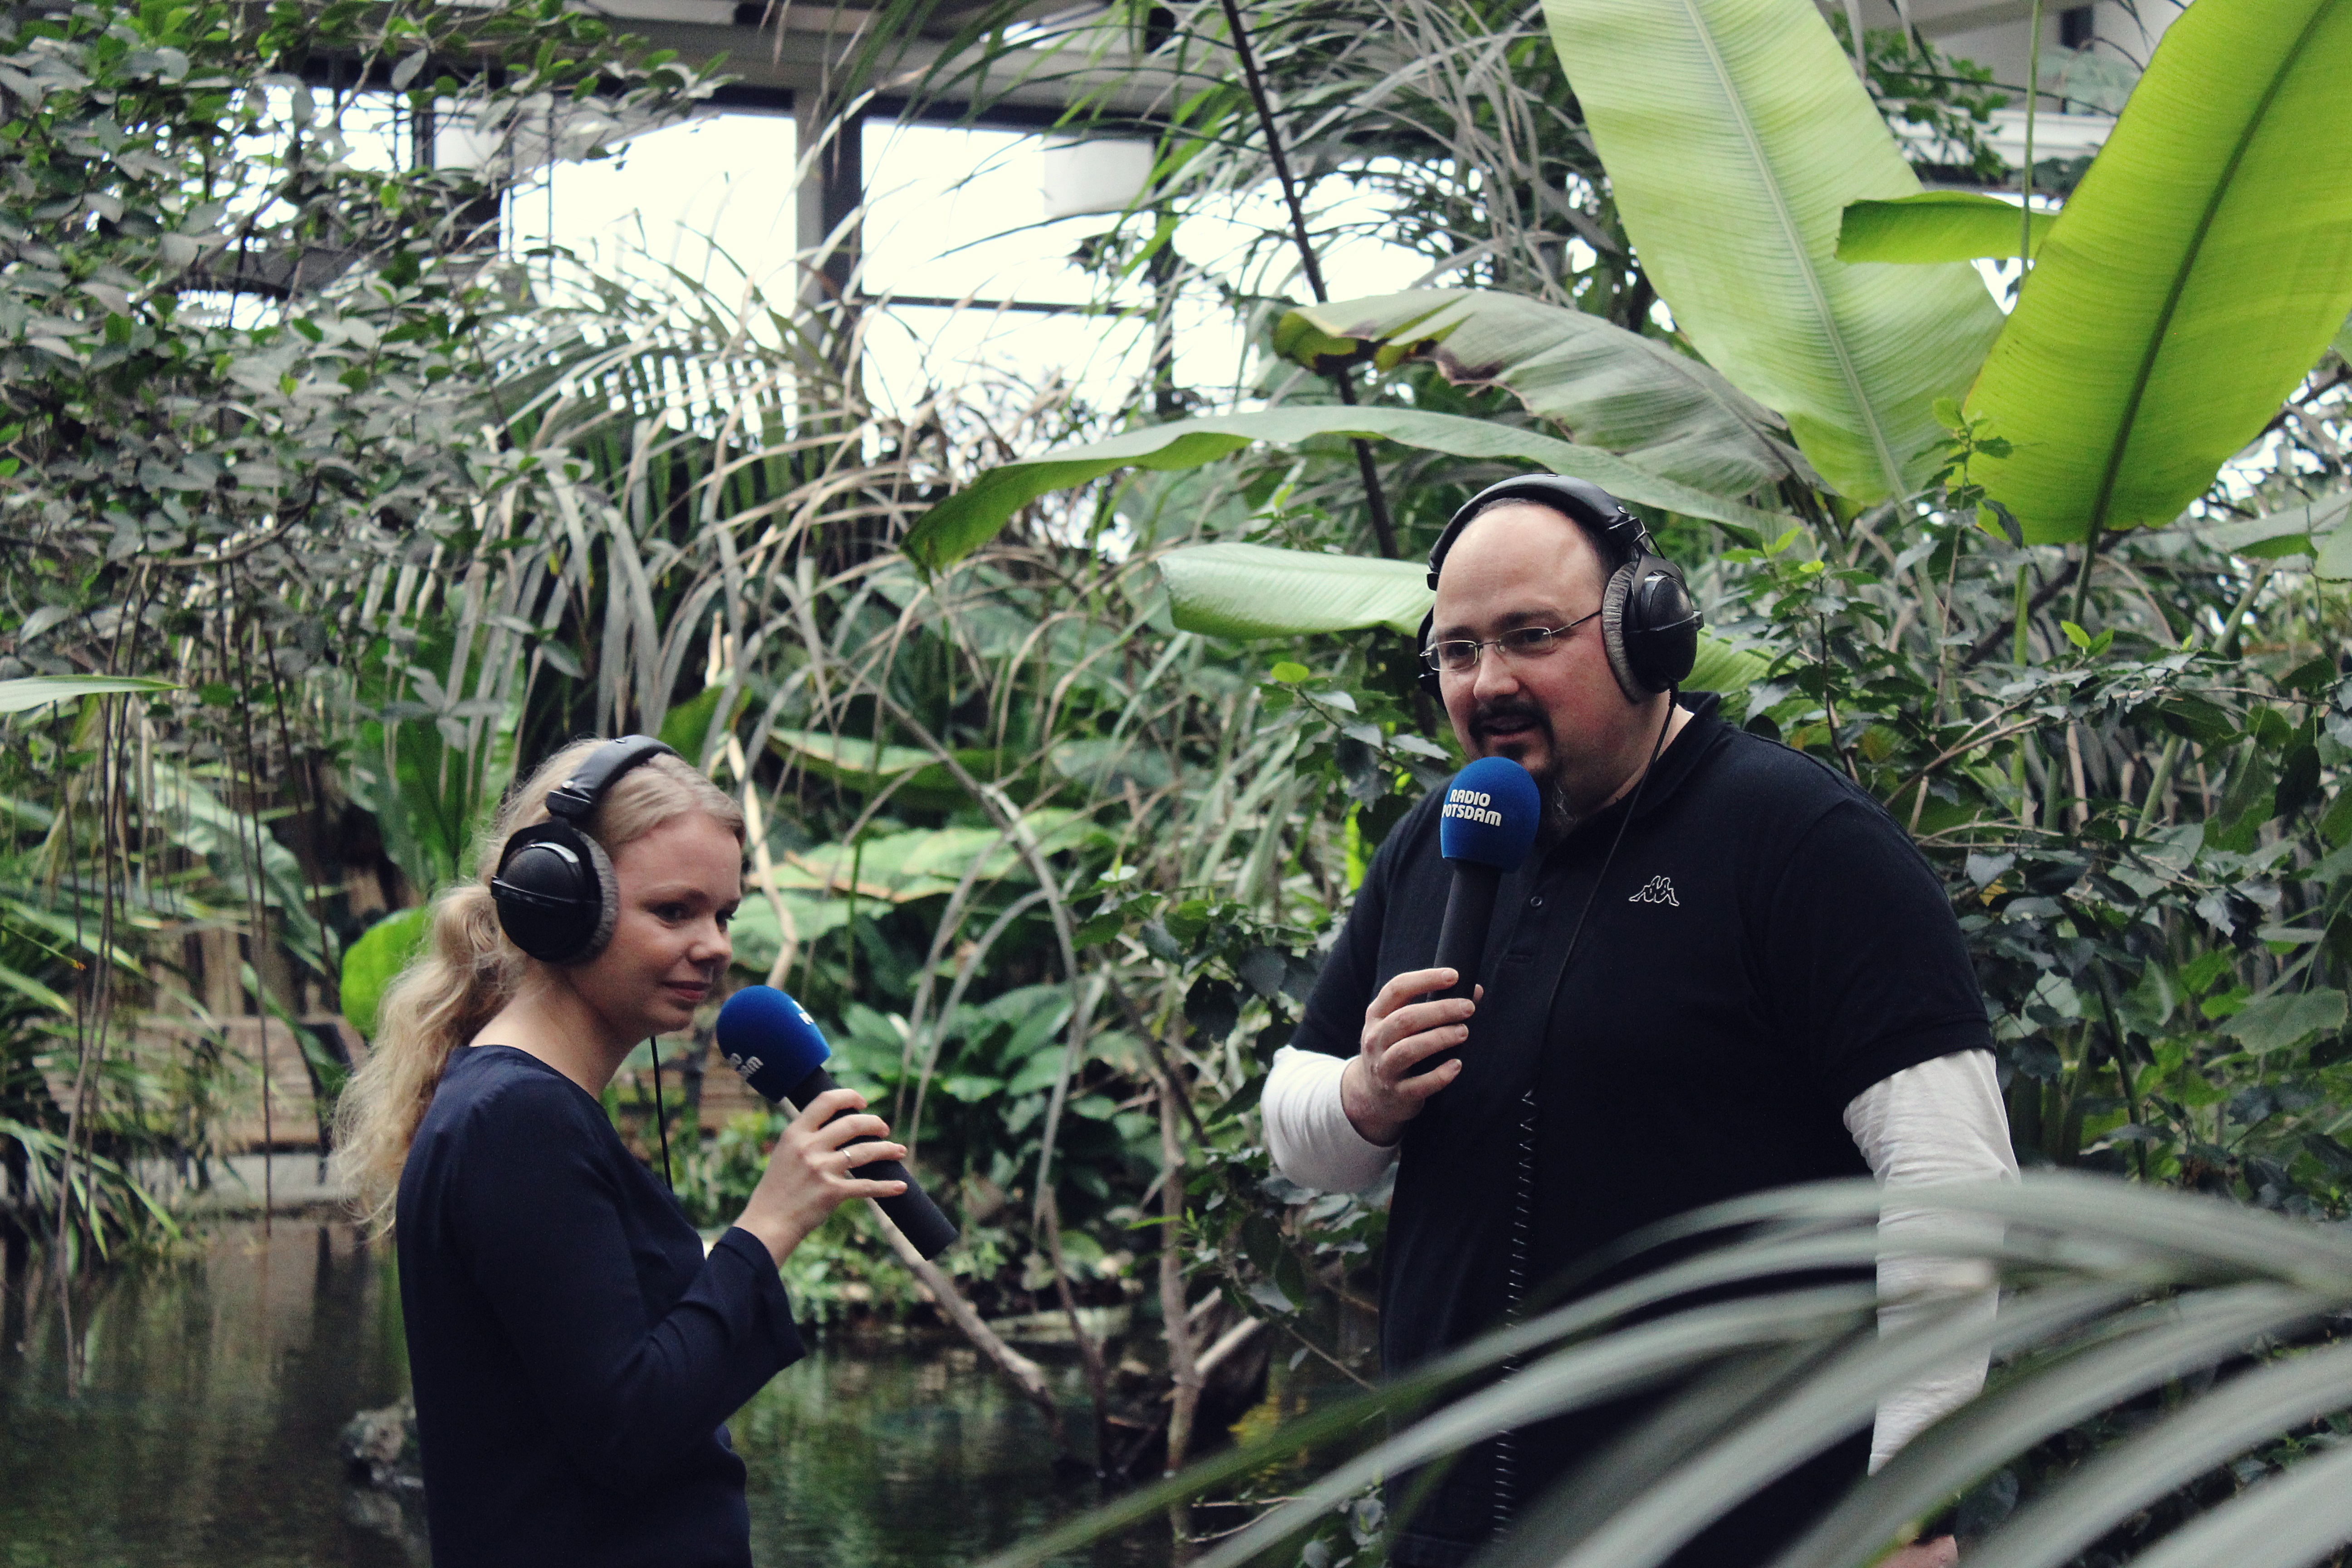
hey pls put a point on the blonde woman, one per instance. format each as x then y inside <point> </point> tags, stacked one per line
<point>573,1352</point>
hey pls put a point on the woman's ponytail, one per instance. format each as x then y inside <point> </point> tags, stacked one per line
<point>466,972</point>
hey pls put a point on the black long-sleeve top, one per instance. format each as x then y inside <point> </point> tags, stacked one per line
<point>572,1350</point>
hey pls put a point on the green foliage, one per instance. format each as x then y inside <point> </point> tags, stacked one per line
<point>1937,226</point>
<point>1750,1382</point>
<point>2192,280</point>
<point>961,524</point>
<point>1609,387</point>
<point>244,359</point>
<point>1942,105</point>
<point>1733,200</point>
<point>33,691</point>
<point>371,963</point>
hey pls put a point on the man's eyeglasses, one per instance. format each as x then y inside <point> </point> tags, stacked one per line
<point>1460,655</point>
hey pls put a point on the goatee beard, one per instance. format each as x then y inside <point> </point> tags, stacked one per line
<point>1557,820</point>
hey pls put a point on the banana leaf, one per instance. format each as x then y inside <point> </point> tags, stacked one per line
<point>32,690</point>
<point>1736,133</point>
<point>1936,226</point>
<point>1633,396</point>
<point>974,515</point>
<point>1255,591</point>
<point>2196,275</point>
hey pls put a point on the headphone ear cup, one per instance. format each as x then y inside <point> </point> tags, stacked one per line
<point>1662,624</point>
<point>1426,676</point>
<point>1617,607</point>
<point>554,892</point>
<point>608,901</point>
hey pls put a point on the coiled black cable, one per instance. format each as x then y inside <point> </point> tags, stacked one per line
<point>1506,1446</point>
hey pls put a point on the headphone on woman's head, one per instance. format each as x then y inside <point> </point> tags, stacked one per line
<point>1649,623</point>
<point>556,895</point>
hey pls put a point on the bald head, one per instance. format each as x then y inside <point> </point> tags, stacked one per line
<point>1561,715</point>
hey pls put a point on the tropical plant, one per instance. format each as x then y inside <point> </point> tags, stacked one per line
<point>242,320</point>
<point>2138,800</point>
<point>1058,781</point>
<point>2200,1335</point>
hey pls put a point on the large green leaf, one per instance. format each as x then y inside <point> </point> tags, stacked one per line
<point>32,690</point>
<point>856,763</point>
<point>1736,133</point>
<point>924,862</point>
<point>1256,591</point>
<point>1664,411</point>
<point>2270,1022</point>
<point>2195,276</point>
<point>1936,226</point>
<point>2297,530</point>
<point>971,517</point>
<point>375,960</point>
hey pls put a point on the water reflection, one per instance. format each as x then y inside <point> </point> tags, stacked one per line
<point>215,1389</point>
<point>212,1392</point>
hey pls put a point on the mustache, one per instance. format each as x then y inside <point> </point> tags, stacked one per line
<point>1511,709</point>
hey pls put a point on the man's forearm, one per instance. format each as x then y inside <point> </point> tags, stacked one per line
<point>1308,1132</point>
<point>1939,1121</point>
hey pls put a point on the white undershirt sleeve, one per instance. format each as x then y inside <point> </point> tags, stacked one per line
<point>1941,1120</point>
<point>1307,1128</point>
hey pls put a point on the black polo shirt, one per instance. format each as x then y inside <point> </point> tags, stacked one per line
<point>1766,945</point>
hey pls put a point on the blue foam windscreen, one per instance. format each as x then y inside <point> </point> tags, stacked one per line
<point>771,1039</point>
<point>1490,816</point>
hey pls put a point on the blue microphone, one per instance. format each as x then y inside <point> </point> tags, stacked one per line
<point>1486,828</point>
<point>771,1039</point>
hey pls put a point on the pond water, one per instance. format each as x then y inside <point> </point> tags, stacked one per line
<point>204,1431</point>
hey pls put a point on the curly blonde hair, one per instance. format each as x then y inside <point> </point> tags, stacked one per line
<point>467,970</point>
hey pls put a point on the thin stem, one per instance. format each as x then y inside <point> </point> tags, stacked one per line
<point>2025,182</point>
<point>1375,499</point>
<point>2022,621</point>
<point>2083,577</point>
<point>2162,779</point>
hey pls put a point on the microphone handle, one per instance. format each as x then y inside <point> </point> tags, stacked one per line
<point>919,1219</point>
<point>1461,940</point>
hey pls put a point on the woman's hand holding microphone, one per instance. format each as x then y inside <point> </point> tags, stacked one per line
<point>812,1171</point>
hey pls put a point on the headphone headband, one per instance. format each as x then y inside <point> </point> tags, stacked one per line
<point>1649,622</point>
<point>554,886</point>
<point>1595,511</point>
<point>574,800</point>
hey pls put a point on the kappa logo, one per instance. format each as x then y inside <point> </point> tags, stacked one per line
<point>1657,890</point>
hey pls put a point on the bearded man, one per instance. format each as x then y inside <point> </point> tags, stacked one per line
<point>1724,968</point>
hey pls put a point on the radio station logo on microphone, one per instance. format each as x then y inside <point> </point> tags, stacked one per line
<point>746,1065</point>
<point>1473,806</point>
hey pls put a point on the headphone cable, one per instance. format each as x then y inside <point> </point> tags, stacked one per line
<point>661,1113</point>
<point>1515,1265</point>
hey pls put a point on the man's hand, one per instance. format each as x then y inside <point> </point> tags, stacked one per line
<point>1376,1090</point>
<point>1940,1553</point>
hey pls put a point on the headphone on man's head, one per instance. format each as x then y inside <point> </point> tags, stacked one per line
<point>1649,622</point>
<point>556,895</point>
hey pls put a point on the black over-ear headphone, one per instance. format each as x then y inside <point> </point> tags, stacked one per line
<point>556,896</point>
<point>1649,623</point>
